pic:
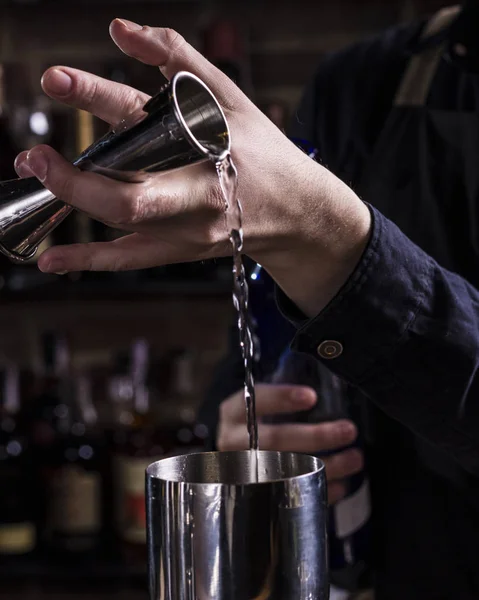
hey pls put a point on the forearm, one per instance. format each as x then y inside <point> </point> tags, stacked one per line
<point>408,339</point>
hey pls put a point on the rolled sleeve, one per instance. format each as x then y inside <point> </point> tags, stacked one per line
<point>404,331</point>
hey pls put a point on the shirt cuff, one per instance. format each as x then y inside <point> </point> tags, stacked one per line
<point>373,310</point>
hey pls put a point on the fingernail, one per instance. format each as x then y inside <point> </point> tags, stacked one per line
<point>58,82</point>
<point>304,396</point>
<point>61,273</point>
<point>37,162</point>
<point>130,25</point>
<point>22,168</point>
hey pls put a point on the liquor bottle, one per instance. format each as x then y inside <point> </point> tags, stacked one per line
<point>349,519</point>
<point>67,454</point>
<point>50,388</point>
<point>17,511</point>
<point>177,413</point>
<point>136,445</point>
<point>74,476</point>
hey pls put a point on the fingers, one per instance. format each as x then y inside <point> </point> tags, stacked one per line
<point>270,400</point>
<point>343,464</point>
<point>134,251</point>
<point>338,466</point>
<point>105,99</point>
<point>309,439</point>
<point>166,49</point>
<point>102,198</point>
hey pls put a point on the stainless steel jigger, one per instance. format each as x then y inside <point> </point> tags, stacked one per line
<point>182,124</point>
<point>215,534</point>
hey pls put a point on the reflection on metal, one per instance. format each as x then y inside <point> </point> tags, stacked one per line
<point>181,125</point>
<point>214,532</point>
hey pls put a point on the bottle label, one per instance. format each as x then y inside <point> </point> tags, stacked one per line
<point>353,512</point>
<point>17,538</point>
<point>75,501</point>
<point>130,476</point>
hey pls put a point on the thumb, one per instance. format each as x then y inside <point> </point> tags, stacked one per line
<point>168,50</point>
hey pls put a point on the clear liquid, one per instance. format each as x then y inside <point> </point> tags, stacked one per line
<point>228,177</point>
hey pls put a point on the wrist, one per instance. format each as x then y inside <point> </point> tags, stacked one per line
<point>318,255</point>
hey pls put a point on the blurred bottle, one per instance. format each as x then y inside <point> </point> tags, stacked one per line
<point>52,386</point>
<point>74,475</point>
<point>17,484</point>
<point>177,411</point>
<point>136,445</point>
<point>349,522</point>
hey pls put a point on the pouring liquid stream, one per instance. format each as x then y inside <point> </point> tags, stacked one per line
<point>228,178</point>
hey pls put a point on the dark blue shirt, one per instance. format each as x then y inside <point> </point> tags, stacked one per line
<point>409,336</point>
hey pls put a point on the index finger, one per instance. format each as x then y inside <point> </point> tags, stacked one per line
<point>107,100</point>
<point>166,49</point>
<point>270,400</point>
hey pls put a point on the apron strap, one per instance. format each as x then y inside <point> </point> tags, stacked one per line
<point>421,69</point>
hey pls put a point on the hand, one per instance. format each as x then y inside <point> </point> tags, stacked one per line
<point>301,223</point>
<point>294,437</point>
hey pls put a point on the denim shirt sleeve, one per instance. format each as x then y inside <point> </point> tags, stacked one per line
<point>406,333</point>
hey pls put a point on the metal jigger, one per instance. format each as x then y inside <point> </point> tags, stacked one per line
<point>217,533</point>
<point>181,125</point>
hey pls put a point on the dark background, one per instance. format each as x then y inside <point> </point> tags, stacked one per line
<point>186,307</point>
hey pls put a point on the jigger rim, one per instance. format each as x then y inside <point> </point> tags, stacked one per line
<point>152,471</point>
<point>192,138</point>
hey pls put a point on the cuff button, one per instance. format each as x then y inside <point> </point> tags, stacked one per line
<point>330,349</point>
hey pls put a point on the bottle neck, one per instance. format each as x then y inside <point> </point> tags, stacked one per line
<point>139,376</point>
<point>56,357</point>
<point>86,408</point>
<point>182,380</point>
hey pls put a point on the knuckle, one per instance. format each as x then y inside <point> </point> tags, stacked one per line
<point>88,262</point>
<point>127,211</point>
<point>118,263</point>
<point>67,189</point>
<point>171,38</point>
<point>90,93</point>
